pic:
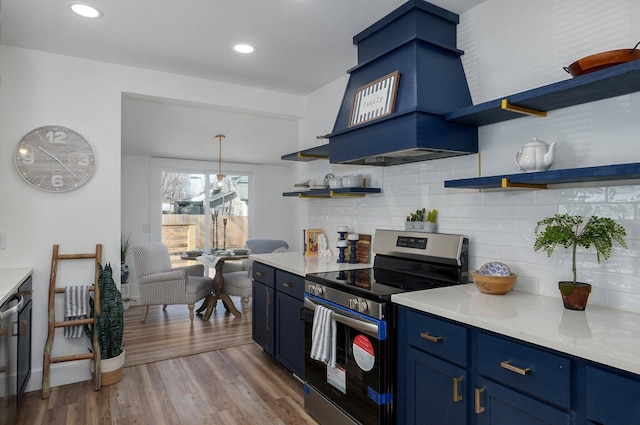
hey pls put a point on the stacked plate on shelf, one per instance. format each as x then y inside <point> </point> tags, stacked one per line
<point>307,185</point>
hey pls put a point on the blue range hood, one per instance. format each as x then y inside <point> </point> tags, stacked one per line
<point>419,41</point>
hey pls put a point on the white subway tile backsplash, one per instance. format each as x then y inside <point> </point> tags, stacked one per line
<point>500,224</point>
<point>623,194</point>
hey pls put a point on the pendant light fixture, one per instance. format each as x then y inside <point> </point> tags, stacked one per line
<point>220,138</point>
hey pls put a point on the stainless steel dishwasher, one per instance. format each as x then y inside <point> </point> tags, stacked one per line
<point>8,359</point>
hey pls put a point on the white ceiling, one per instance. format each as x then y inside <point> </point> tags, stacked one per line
<point>301,45</point>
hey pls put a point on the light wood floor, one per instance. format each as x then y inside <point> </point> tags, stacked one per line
<point>174,335</point>
<point>238,385</point>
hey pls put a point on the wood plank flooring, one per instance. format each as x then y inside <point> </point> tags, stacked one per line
<point>174,335</point>
<point>229,386</point>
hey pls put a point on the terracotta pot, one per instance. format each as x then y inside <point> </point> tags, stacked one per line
<point>574,295</point>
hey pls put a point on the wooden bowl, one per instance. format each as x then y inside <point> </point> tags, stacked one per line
<point>602,60</point>
<point>494,285</point>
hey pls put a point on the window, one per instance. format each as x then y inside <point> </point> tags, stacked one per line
<point>200,213</point>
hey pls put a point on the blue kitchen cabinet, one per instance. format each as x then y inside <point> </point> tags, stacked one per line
<point>495,404</point>
<point>277,315</point>
<point>262,319</point>
<point>435,391</point>
<point>612,398</point>
<point>289,333</point>
<point>289,342</point>
<point>263,313</point>
<point>452,373</point>
<point>433,384</point>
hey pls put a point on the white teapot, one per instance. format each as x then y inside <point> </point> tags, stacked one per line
<point>535,156</point>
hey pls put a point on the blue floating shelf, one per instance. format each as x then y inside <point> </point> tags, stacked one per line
<point>311,154</point>
<point>334,193</point>
<point>606,83</point>
<point>542,178</point>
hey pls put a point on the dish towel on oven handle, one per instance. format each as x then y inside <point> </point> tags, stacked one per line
<point>323,336</point>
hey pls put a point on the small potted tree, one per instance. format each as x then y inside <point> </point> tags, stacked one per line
<point>109,323</point>
<point>572,231</point>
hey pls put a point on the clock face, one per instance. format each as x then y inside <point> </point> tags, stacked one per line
<point>54,159</point>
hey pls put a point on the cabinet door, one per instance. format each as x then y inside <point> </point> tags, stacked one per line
<point>430,391</point>
<point>290,333</point>
<point>262,318</point>
<point>498,405</point>
<point>611,398</point>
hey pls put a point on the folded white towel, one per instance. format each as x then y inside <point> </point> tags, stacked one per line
<point>76,306</point>
<point>323,336</point>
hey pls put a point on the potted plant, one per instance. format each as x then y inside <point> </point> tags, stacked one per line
<point>572,231</point>
<point>411,221</point>
<point>419,221</point>
<point>430,223</point>
<point>109,323</point>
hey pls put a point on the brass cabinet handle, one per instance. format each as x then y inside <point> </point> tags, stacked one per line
<point>431,338</point>
<point>507,365</point>
<point>478,406</point>
<point>261,274</point>
<point>288,285</point>
<point>456,396</point>
<point>21,328</point>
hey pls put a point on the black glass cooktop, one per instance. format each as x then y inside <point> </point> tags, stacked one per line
<point>389,277</point>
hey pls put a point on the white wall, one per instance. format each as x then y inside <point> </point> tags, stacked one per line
<point>511,46</point>
<point>45,89</point>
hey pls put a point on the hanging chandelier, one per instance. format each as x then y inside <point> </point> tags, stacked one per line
<point>220,137</point>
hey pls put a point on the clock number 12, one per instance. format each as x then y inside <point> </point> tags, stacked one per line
<point>56,137</point>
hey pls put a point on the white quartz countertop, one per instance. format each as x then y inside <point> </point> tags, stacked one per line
<point>298,263</point>
<point>600,334</point>
<point>10,280</point>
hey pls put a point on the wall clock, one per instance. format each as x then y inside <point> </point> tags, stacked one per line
<point>54,159</point>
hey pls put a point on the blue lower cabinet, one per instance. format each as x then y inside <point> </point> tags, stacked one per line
<point>289,348</point>
<point>495,404</point>
<point>434,391</point>
<point>263,316</point>
<point>612,398</point>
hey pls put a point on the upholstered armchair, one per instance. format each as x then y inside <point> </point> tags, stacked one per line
<point>160,284</point>
<point>237,274</point>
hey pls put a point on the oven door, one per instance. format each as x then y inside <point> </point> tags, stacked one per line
<point>361,384</point>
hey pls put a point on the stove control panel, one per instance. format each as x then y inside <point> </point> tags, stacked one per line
<point>411,242</point>
<point>358,305</point>
<point>344,299</point>
<point>316,290</point>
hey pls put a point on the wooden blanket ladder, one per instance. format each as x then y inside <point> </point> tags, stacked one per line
<point>53,324</point>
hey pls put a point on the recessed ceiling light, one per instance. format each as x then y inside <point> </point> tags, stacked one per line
<point>243,48</point>
<point>85,10</point>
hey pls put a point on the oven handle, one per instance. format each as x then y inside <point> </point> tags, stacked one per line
<point>368,328</point>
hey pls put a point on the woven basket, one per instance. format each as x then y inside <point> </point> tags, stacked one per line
<point>111,369</point>
<point>494,285</point>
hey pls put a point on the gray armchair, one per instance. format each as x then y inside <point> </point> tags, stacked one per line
<point>237,274</point>
<point>162,285</point>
